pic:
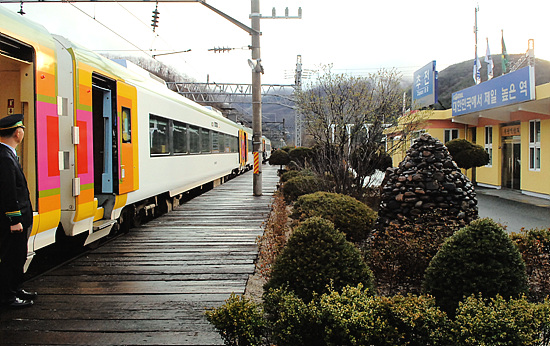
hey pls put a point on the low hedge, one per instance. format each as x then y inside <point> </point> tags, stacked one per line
<point>498,321</point>
<point>239,321</point>
<point>300,185</point>
<point>356,317</point>
<point>349,215</point>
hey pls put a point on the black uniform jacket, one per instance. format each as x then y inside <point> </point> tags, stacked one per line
<point>15,204</point>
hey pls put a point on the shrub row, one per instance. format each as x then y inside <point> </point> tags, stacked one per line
<point>355,317</point>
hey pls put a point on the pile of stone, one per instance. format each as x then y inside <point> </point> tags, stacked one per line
<point>426,180</point>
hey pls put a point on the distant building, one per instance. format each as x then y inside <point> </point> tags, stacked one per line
<point>515,134</point>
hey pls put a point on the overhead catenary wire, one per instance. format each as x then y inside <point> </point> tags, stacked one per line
<point>150,53</point>
<point>111,30</point>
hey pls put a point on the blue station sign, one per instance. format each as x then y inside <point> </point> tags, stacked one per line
<point>514,87</point>
<point>425,86</point>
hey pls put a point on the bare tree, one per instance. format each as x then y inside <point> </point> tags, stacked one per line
<point>347,118</point>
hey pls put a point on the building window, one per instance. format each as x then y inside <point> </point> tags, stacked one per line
<point>489,144</point>
<point>450,134</point>
<point>534,145</point>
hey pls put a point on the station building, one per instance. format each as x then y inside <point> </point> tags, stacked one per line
<point>510,118</point>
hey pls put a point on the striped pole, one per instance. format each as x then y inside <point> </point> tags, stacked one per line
<point>256,162</point>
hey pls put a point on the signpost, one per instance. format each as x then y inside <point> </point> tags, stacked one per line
<point>425,86</point>
<point>511,88</point>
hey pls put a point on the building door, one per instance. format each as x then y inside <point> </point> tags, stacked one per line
<point>511,162</point>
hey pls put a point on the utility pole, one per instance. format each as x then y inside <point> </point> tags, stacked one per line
<point>297,115</point>
<point>255,64</point>
<point>257,71</point>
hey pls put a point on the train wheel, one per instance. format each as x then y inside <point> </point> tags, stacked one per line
<point>124,221</point>
<point>137,217</point>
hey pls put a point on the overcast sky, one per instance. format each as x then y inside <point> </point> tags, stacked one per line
<point>357,37</point>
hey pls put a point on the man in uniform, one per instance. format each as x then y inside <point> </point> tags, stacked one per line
<point>15,215</point>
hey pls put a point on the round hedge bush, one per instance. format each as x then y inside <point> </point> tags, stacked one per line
<point>479,258</point>
<point>300,185</point>
<point>286,176</point>
<point>279,157</point>
<point>349,215</point>
<point>300,155</point>
<point>318,255</point>
<point>467,154</point>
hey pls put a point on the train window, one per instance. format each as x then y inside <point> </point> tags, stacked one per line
<point>224,145</point>
<point>179,137</point>
<point>158,135</point>
<point>126,125</point>
<point>216,142</point>
<point>221,137</point>
<point>249,145</point>
<point>194,139</point>
<point>205,141</point>
<point>227,144</point>
<point>234,144</point>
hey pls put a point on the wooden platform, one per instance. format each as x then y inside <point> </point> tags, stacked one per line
<point>151,286</point>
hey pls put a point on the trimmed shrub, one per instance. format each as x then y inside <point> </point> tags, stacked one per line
<point>315,256</point>
<point>287,148</point>
<point>534,246</point>
<point>479,258</point>
<point>300,156</point>
<point>349,215</point>
<point>290,320</point>
<point>286,176</point>
<point>239,321</point>
<point>294,173</point>
<point>467,154</point>
<point>300,185</point>
<point>498,321</point>
<point>279,157</point>
<point>356,318</point>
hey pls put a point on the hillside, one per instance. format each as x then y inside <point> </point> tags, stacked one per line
<point>459,76</point>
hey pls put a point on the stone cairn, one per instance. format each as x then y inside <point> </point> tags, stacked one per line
<point>426,180</point>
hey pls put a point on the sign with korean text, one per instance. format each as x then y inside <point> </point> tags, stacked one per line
<point>511,88</point>
<point>512,130</point>
<point>424,86</point>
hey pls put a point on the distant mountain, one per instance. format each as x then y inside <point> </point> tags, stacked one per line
<point>459,76</point>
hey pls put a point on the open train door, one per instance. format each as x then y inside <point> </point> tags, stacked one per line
<point>243,150</point>
<point>105,143</point>
<point>17,96</point>
<point>106,181</point>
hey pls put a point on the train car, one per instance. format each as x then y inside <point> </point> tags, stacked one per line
<point>266,148</point>
<point>106,143</point>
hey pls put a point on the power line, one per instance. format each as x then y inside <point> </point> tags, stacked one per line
<point>111,30</point>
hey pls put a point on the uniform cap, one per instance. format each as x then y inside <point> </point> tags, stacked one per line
<point>11,121</point>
